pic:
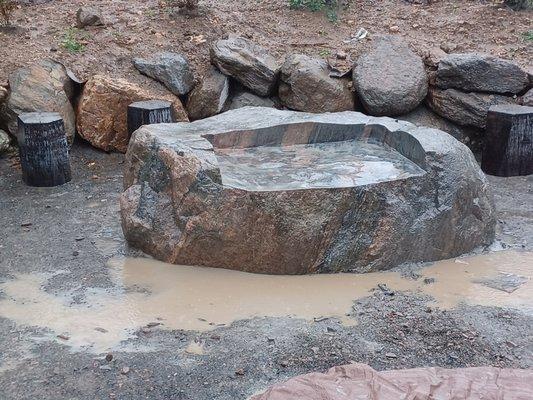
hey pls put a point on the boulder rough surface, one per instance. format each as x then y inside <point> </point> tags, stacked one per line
<point>87,16</point>
<point>103,108</point>
<point>4,141</point>
<point>180,207</point>
<point>527,99</point>
<point>242,98</point>
<point>248,63</point>
<point>209,97</point>
<point>473,72</point>
<point>424,116</point>
<point>44,86</point>
<point>466,109</point>
<point>389,78</point>
<point>306,86</point>
<point>171,69</point>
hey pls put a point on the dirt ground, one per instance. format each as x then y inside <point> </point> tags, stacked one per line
<point>140,28</point>
<point>59,229</point>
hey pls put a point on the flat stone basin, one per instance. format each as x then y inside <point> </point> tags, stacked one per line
<point>311,166</point>
<point>282,192</point>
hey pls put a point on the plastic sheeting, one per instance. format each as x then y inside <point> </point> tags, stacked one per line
<point>361,382</point>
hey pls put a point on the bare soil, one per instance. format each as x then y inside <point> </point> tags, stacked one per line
<point>140,28</point>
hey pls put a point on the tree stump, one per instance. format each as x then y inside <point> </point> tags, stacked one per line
<point>508,148</point>
<point>148,112</point>
<point>43,148</point>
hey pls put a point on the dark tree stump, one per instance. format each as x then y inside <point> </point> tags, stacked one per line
<point>43,147</point>
<point>147,113</point>
<point>508,148</point>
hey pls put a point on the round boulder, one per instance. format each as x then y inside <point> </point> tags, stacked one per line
<point>389,78</point>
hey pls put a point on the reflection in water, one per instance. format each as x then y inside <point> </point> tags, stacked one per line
<point>149,292</point>
<point>304,166</point>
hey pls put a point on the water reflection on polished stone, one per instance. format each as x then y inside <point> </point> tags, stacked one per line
<point>309,166</point>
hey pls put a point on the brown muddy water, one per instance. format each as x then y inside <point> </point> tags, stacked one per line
<point>149,292</point>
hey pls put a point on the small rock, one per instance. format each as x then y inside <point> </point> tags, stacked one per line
<point>26,223</point>
<point>171,69</point>
<point>125,370</point>
<point>248,63</point>
<point>394,29</point>
<point>306,86</point>
<point>239,372</point>
<point>473,72</point>
<point>391,355</point>
<point>109,357</point>
<point>209,97</point>
<point>102,330</point>
<point>87,16</point>
<point>79,238</point>
<point>105,367</point>
<point>75,253</point>
<point>429,281</point>
<point>63,337</point>
<point>330,329</point>
<point>342,55</point>
<point>284,363</point>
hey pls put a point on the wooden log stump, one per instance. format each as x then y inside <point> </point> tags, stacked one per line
<point>508,148</point>
<point>148,112</point>
<point>43,148</point>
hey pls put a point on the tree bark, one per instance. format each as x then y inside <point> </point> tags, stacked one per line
<point>44,151</point>
<point>508,148</point>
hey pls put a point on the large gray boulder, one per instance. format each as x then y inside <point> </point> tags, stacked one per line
<point>246,62</point>
<point>282,192</point>
<point>171,69</point>
<point>473,72</point>
<point>306,86</point>
<point>44,86</point>
<point>209,97</point>
<point>466,109</point>
<point>389,78</point>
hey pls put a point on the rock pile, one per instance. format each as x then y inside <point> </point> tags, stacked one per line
<point>388,79</point>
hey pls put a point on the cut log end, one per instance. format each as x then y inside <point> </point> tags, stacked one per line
<point>43,147</point>
<point>148,112</point>
<point>508,148</point>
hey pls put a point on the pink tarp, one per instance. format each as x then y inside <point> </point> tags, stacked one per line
<point>360,382</point>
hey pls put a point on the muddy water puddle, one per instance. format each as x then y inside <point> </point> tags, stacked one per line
<point>153,295</point>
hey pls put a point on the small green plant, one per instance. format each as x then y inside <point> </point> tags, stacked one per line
<point>7,7</point>
<point>330,7</point>
<point>519,4</point>
<point>184,6</point>
<point>528,36</point>
<point>324,53</point>
<point>71,42</point>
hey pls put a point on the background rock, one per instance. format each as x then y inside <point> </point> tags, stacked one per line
<point>306,86</point>
<point>242,98</point>
<point>466,109</point>
<point>480,73</point>
<point>171,69</point>
<point>425,117</point>
<point>4,141</point>
<point>88,16</point>
<point>527,99</point>
<point>209,97</point>
<point>102,110</point>
<point>389,78</point>
<point>248,63</point>
<point>44,86</point>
